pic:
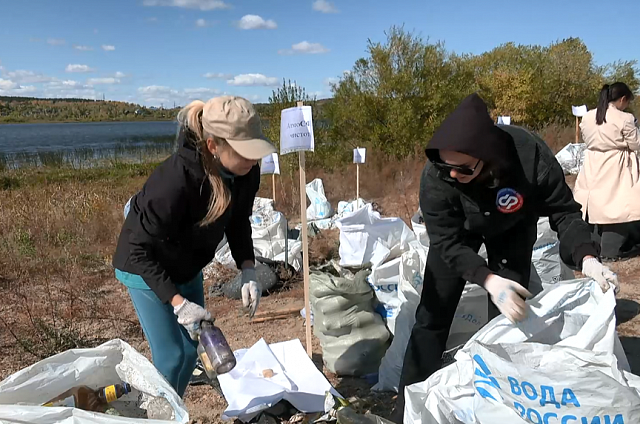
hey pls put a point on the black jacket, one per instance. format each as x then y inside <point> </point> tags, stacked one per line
<point>530,184</point>
<point>161,239</point>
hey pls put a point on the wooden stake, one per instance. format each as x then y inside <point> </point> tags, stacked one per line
<point>289,311</point>
<point>357,181</point>
<point>273,187</point>
<point>305,247</point>
<point>577,130</point>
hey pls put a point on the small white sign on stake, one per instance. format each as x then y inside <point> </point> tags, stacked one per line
<point>504,120</point>
<point>270,164</point>
<point>579,111</point>
<point>359,155</point>
<point>296,130</point>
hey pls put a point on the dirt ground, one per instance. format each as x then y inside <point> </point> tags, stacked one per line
<point>110,313</point>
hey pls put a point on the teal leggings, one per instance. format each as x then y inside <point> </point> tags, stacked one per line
<point>174,353</point>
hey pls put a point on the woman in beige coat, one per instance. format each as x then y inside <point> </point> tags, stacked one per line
<point>608,185</point>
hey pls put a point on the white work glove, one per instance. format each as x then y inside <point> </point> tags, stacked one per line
<point>592,268</point>
<point>190,315</point>
<point>251,290</point>
<point>507,296</point>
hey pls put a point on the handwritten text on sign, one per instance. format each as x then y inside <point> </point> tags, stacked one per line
<point>359,155</point>
<point>296,130</point>
<point>270,164</point>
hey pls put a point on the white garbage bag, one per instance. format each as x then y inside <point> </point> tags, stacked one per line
<point>367,239</point>
<point>22,393</point>
<point>571,157</point>
<point>411,272</point>
<point>419,228</point>
<point>269,230</point>
<point>320,207</point>
<point>546,256</point>
<point>384,281</point>
<point>295,379</point>
<point>563,364</point>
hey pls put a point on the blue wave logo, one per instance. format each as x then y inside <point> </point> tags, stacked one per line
<point>486,383</point>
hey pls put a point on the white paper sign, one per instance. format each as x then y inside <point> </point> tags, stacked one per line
<point>296,130</point>
<point>579,111</point>
<point>359,155</point>
<point>270,164</point>
<point>504,120</point>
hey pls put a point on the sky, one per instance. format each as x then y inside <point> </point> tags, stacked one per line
<point>157,52</point>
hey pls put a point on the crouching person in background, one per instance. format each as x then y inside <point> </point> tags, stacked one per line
<point>175,223</point>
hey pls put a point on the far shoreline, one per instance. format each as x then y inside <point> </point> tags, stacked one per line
<point>85,122</point>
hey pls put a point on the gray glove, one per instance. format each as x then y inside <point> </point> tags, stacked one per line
<point>190,315</point>
<point>251,291</point>
<point>592,268</point>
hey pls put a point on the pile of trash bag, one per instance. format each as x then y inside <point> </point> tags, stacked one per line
<point>23,394</point>
<point>564,363</point>
<point>353,337</point>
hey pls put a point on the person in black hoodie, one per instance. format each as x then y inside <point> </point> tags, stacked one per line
<point>173,225</point>
<point>487,184</point>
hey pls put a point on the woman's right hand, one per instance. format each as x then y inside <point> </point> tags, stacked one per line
<point>190,315</point>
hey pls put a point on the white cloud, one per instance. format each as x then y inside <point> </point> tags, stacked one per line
<point>27,77</point>
<point>83,48</point>
<point>217,75</point>
<point>119,75</point>
<point>305,47</point>
<point>102,81</point>
<point>189,4</point>
<point>256,22</point>
<point>108,48</point>
<point>331,81</point>
<point>201,23</point>
<point>253,80</point>
<point>78,68</point>
<point>56,41</point>
<point>159,94</point>
<point>324,6</point>
<point>12,88</point>
<point>6,84</point>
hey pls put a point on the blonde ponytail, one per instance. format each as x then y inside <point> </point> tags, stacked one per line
<point>191,117</point>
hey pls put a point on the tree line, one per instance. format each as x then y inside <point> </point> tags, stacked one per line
<point>394,98</point>
<point>27,109</point>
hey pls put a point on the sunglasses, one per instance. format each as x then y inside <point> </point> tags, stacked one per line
<point>464,170</point>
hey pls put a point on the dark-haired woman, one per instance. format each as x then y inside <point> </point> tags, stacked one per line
<point>608,185</point>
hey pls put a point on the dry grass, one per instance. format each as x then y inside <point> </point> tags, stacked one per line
<point>58,230</point>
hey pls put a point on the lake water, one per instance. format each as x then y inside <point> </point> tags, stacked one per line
<point>35,144</point>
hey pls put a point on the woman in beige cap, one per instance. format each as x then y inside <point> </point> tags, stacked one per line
<point>608,185</point>
<point>173,225</point>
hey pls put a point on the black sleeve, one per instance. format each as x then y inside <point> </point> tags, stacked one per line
<point>238,229</point>
<point>161,202</point>
<point>565,214</point>
<point>445,226</point>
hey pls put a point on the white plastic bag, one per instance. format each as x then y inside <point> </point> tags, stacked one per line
<point>368,239</point>
<point>384,281</point>
<point>112,362</point>
<point>571,157</point>
<point>546,256</point>
<point>419,228</point>
<point>410,276</point>
<point>564,363</point>
<point>320,207</point>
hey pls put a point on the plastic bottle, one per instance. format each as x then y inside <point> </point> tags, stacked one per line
<point>216,347</point>
<point>88,399</point>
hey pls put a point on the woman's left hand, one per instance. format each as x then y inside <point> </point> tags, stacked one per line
<point>251,290</point>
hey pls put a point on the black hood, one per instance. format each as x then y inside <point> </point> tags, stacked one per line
<point>469,129</point>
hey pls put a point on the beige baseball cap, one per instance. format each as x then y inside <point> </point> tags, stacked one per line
<point>235,119</point>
